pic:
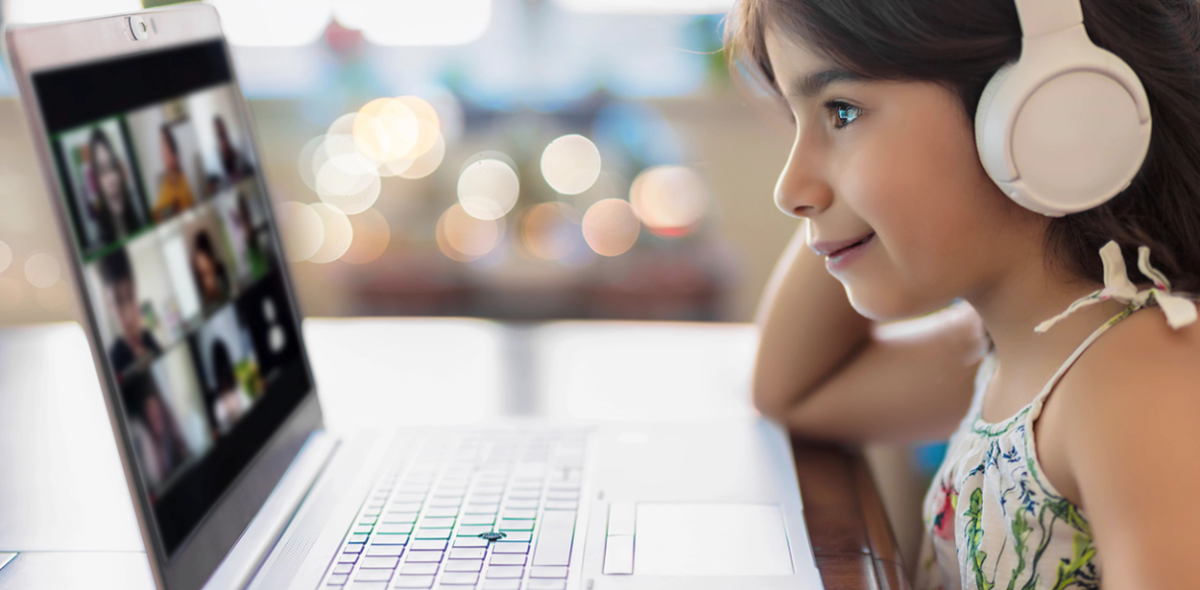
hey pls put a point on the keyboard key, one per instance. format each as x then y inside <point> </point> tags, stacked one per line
<point>482,508</point>
<point>404,507</point>
<point>355,548</point>
<point>522,504</point>
<point>511,548</point>
<point>554,538</point>
<point>389,540</point>
<point>368,586</point>
<point>425,556</point>
<point>546,584</point>
<point>518,536</point>
<point>459,578</point>
<point>442,512</point>
<point>473,530</point>
<point>409,498</point>
<point>362,529</point>
<point>563,495</point>
<point>348,558</point>
<point>338,580</point>
<point>517,525</point>
<point>385,550</point>
<point>357,538</point>
<point>399,518</point>
<point>373,575</point>
<point>437,523</point>
<point>507,559</point>
<point>548,572</point>
<point>519,514</point>
<point>427,545</point>
<point>432,534</point>
<point>419,569</point>
<point>467,553</point>
<point>394,529</point>
<point>413,582</point>
<point>375,563</point>
<point>478,519</point>
<point>464,565</point>
<point>529,495</point>
<point>505,571</point>
<point>502,584</point>
<point>343,568</point>
<point>562,505</point>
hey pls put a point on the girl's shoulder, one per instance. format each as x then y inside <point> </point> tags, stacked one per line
<point>1135,392</point>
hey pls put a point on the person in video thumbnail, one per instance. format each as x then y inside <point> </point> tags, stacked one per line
<point>157,438</point>
<point>135,344</point>
<point>235,165</point>
<point>230,402</point>
<point>211,274</point>
<point>174,194</point>
<point>114,211</point>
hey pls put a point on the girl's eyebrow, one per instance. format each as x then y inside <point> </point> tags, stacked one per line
<point>812,84</point>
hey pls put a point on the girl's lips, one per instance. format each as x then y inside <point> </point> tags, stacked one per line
<point>832,248</point>
<point>843,258</point>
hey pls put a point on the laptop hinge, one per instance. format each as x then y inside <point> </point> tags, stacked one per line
<point>268,525</point>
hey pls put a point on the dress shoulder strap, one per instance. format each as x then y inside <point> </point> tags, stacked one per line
<point>1180,308</point>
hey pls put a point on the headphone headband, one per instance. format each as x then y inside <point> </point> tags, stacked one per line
<point>1042,17</point>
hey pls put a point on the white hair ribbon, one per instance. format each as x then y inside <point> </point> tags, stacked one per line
<point>1180,310</point>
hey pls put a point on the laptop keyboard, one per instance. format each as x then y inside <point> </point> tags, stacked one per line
<point>487,510</point>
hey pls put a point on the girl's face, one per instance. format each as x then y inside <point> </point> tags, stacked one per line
<point>895,161</point>
<point>207,272</point>
<point>109,179</point>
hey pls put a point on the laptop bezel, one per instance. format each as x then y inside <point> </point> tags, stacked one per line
<point>38,48</point>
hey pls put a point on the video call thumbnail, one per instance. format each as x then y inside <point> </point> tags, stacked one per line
<point>108,204</point>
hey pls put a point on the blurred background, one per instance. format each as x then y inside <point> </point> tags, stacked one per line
<point>510,159</point>
<point>549,159</point>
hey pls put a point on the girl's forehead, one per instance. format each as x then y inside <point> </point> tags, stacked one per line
<point>792,53</point>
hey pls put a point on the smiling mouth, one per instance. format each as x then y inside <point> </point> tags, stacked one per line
<point>865,239</point>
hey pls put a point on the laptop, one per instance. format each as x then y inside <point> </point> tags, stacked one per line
<point>146,143</point>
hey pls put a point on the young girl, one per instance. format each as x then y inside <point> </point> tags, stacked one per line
<point>899,209</point>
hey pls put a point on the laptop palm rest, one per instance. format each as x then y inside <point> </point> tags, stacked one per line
<point>693,539</point>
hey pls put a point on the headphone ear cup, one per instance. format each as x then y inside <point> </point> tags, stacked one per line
<point>990,133</point>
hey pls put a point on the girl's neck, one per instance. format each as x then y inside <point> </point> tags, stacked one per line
<point>1014,305</point>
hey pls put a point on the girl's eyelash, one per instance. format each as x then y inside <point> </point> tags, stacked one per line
<point>842,113</point>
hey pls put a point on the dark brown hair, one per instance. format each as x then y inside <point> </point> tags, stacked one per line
<point>962,44</point>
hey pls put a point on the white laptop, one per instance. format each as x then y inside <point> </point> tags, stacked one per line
<point>146,142</point>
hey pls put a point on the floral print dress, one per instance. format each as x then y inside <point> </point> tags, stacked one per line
<point>992,519</point>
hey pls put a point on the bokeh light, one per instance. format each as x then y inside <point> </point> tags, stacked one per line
<point>426,163</point>
<point>610,227</point>
<point>465,238</point>
<point>550,231</point>
<point>670,200</point>
<point>371,237</point>
<point>429,125</point>
<point>571,164</point>
<point>42,270</point>
<point>349,182</point>
<point>385,129</point>
<point>6,256</point>
<point>308,154</point>
<point>338,234</point>
<point>488,189</point>
<point>302,230</point>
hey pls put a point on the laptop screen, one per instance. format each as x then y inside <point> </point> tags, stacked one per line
<point>169,220</point>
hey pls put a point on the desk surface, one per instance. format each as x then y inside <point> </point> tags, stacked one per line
<point>64,505</point>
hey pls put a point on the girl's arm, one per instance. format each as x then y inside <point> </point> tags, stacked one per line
<point>825,371</point>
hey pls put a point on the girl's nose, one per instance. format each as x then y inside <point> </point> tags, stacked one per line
<point>801,191</point>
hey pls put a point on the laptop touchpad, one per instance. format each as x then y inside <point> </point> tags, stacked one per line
<point>710,540</point>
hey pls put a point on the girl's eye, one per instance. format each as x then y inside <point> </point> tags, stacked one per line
<point>842,113</point>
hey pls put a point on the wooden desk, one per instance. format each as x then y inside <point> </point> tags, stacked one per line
<point>55,438</point>
<point>850,533</point>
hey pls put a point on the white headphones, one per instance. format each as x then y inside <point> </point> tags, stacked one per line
<point>1066,127</point>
